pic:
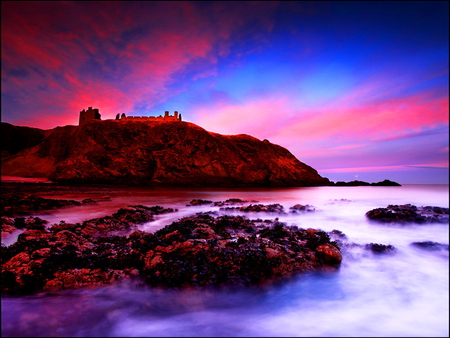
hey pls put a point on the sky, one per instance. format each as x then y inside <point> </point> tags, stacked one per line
<point>358,90</point>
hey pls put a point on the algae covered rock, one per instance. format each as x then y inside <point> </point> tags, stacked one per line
<point>200,250</point>
<point>409,213</point>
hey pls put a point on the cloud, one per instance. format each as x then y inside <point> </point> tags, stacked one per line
<point>350,123</point>
<point>116,55</point>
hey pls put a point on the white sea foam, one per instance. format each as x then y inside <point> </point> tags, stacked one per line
<point>400,294</point>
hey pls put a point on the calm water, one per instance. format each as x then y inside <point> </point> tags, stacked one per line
<point>405,294</point>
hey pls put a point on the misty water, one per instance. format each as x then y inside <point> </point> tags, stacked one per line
<point>400,294</point>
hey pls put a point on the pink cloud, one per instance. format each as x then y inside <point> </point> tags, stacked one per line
<point>355,134</point>
<point>51,41</point>
<point>350,125</point>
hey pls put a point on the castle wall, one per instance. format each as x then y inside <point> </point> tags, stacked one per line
<point>88,115</point>
<point>165,118</point>
<point>93,114</point>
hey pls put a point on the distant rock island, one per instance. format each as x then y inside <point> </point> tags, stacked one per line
<point>149,151</point>
<point>362,183</point>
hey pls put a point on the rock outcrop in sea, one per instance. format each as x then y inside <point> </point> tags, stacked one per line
<point>151,153</point>
<point>198,250</point>
<point>408,213</point>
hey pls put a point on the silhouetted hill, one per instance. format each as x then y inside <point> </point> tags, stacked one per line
<point>15,138</point>
<point>137,152</point>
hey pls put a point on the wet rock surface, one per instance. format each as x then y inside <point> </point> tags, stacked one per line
<point>233,201</point>
<point>273,208</point>
<point>342,240</point>
<point>199,250</point>
<point>195,202</point>
<point>10,224</point>
<point>409,213</point>
<point>269,208</point>
<point>299,208</point>
<point>430,246</point>
<point>380,248</point>
<point>13,204</point>
<point>204,249</point>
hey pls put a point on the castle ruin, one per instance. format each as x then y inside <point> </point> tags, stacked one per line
<point>89,114</point>
<point>93,114</point>
<point>166,118</point>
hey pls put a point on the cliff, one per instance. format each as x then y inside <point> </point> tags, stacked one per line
<point>149,153</point>
<point>15,139</point>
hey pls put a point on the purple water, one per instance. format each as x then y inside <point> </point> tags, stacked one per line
<point>405,294</point>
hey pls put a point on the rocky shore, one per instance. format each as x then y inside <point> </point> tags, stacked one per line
<point>204,249</point>
<point>199,250</point>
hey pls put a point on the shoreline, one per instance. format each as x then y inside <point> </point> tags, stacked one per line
<point>153,256</point>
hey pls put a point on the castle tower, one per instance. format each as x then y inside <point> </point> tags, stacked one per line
<point>176,114</point>
<point>88,115</point>
<point>166,114</point>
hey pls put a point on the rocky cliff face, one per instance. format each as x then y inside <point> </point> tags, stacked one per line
<point>15,139</point>
<point>173,153</point>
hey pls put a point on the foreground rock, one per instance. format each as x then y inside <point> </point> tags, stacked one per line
<point>408,213</point>
<point>10,224</point>
<point>151,153</point>
<point>195,251</point>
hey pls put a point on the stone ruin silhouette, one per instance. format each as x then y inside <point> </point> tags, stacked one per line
<point>93,114</point>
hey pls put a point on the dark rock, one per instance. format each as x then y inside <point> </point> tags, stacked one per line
<point>150,153</point>
<point>387,183</point>
<point>432,246</point>
<point>15,139</point>
<point>198,202</point>
<point>120,222</point>
<point>233,201</point>
<point>195,251</point>
<point>337,234</point>
<point>7,225</point>
<point>13,204</point>
<point>409,214</point>
<point>380,248</point>
<point>362,183</point>
<point>301,208</point>
<point>351,183</point>
<point>89,201</point>
<point>241,252</point>
<point>273,208</point>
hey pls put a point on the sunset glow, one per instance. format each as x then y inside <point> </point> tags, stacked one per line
<point>357,90</point>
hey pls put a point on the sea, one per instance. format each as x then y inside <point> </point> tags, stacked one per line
<point>400,294</point>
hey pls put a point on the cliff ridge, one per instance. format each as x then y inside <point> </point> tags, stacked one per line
<point>149,153</point>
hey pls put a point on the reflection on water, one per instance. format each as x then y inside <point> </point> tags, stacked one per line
<point>405,294</point>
